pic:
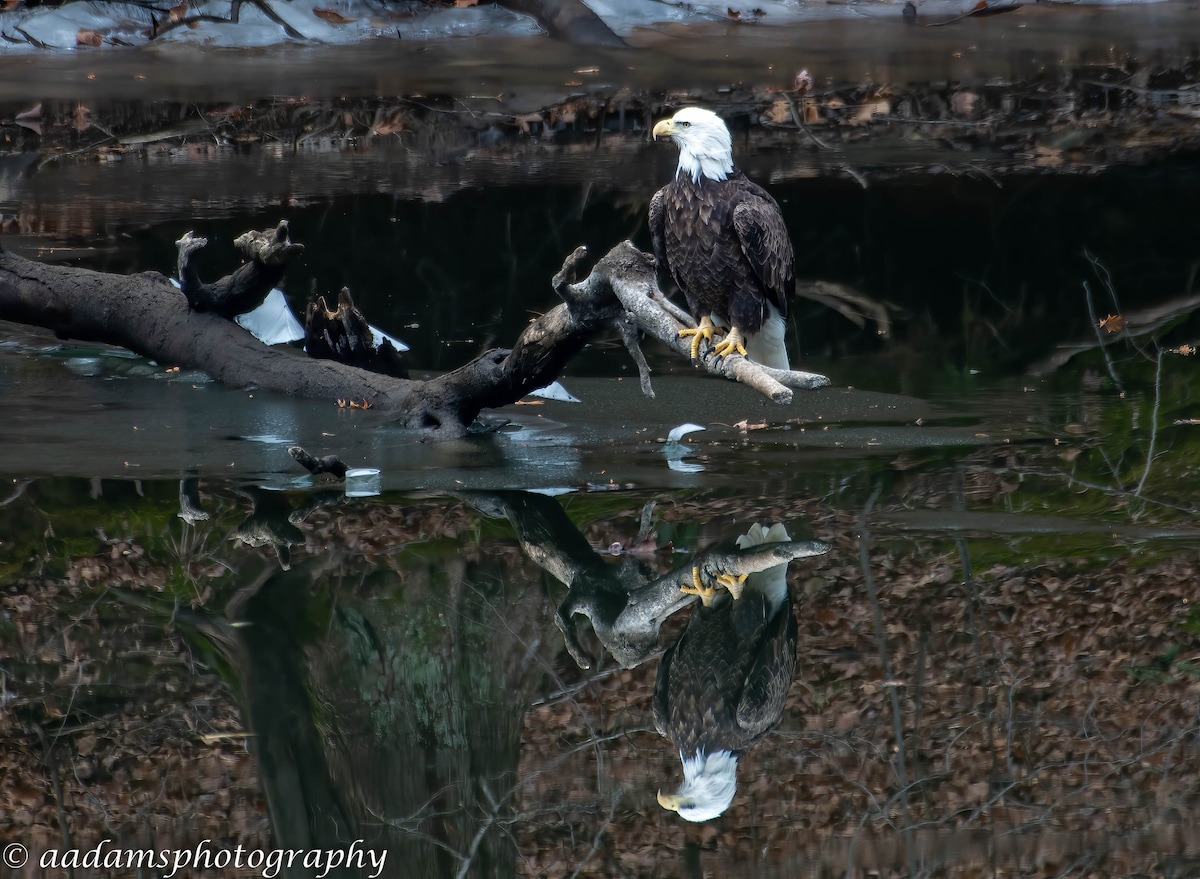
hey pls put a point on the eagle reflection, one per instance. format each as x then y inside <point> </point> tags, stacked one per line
<point>721,687</point>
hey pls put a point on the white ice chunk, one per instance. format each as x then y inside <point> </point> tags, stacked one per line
<point>554,391</point>
<point>272,323</point>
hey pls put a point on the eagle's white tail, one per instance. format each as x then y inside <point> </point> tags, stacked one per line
<point>773,581</point>
<point>769,345</point>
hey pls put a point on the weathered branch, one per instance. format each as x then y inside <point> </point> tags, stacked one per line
<point>630,274</point>
<point>243,290</point>
<point>628,623</point>
<point>626,607</point>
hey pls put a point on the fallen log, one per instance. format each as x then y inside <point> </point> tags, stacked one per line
<point>146,314</point>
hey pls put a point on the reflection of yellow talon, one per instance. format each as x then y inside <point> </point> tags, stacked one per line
<point>706,330</point>
<point>707,592</point>
<point>734,583</point>
<point>732,343</point>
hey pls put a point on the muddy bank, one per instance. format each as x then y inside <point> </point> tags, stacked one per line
<point>1081,119</point>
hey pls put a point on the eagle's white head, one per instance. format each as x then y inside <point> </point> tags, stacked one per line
<point>709,783</point>
<point>705,146</point>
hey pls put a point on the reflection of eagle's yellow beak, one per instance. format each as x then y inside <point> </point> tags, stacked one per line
<point>665,128</point>
<point>666,800</point>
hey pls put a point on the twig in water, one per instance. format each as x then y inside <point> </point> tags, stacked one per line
<point>796,117</point>
<point>1112,370</point>
<point>1153,425</point>
<point>616,798</point>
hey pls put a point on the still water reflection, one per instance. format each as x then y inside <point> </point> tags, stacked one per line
<point>977,688</point>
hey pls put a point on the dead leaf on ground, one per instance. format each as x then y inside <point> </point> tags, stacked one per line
<point>746,425</point>
<point>177,12</point>
<point>748,16</point>
<point>1114,323</point>
<point>331,15</point>
<point>463,4</point>
<point>85,37</point>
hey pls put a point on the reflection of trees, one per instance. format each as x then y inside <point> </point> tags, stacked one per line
<point>387,705</point>
<point>1039,684</point>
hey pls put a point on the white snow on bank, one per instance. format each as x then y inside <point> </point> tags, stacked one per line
<point>354,21</point>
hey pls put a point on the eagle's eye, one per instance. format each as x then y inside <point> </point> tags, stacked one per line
<point>685,124</point>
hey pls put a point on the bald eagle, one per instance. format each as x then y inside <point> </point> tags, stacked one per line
<point>721,687</point>
<point>723,239</point>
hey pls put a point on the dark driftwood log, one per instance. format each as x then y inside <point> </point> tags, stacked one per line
<point>331,464</point>
<point>569,20</point>
<point>147,315</point>
<point>344,335</point>
<point>244,289</point>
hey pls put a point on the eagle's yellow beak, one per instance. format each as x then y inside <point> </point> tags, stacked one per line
<point>665,128</point>
<point>667,801</point>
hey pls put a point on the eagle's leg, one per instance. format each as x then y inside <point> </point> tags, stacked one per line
<point>735,583</point>
<point>733,342</point>
<point>707,592</point>
<point>707,330</point>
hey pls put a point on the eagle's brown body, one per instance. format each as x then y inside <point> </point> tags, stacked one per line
<point>722,685</point>
<point>726,246</point>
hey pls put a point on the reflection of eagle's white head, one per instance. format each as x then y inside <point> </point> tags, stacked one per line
<point>721,687</point>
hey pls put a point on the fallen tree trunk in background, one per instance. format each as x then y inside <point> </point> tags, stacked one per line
<point>146,314</point>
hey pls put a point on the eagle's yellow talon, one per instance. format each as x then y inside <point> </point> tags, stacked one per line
<point>706,330</point>
<point>707,592</point>
<point>734,342</point>
<point>735,583</point>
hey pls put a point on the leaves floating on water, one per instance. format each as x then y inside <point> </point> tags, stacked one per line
<point>332,16</point>
<point>85,37</point>
<point>1114,323</point>
<point>354,404</point>
<point>979,9</point>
